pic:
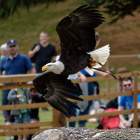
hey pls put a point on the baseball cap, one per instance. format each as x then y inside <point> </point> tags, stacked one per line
<point>11,43</point>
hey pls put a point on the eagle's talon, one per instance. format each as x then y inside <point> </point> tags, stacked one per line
<point>44,68</point>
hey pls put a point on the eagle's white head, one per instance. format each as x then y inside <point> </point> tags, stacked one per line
<point>56,67</point>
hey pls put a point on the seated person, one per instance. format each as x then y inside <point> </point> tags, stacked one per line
<point>126,102</point>
<point>110,122</point>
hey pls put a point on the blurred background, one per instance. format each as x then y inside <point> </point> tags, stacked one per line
<point>24,20</point>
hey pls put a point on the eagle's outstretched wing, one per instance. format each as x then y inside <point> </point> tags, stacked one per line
<point>58,91</point>
<point>77,37</point>
<point>76,31</point>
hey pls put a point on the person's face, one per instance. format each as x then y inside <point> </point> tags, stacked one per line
<point>127,85</point>
<point>13,50</point>
<point>43,39</point>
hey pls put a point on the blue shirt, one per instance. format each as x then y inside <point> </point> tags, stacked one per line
<point>87,74</point>
<point>20,64</point>
<point>93,89</point>
<point>127,101</point>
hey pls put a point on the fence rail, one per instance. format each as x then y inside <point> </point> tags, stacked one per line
<point>17,81</point>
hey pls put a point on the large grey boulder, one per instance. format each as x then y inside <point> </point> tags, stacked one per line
<point>88,134</point>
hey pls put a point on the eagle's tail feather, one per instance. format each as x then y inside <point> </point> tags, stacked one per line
<point>100,55</point>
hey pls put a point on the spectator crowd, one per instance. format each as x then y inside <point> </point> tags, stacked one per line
<point>13,62</point>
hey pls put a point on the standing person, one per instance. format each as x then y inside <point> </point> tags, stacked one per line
<point>42,52</point>
<point>35,97</point>
<point>19,96</point>
<point>15,63</point>
<point>91,88</point>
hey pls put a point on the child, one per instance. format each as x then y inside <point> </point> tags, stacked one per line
<point>19,96</point>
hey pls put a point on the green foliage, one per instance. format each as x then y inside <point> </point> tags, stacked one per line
<point>9,7</point>
<point>25,26</point>
<point>116,8</point>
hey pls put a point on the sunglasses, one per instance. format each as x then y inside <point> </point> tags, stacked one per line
<point>127,85</point>
<point>12,46</point>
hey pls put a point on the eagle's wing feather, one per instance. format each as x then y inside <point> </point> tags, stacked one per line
<point>58,91</point>
<point>63,105</point>
<point>40,83</point>
<point>87,16</point>
<point>77,37</point>
<point>77,29</point>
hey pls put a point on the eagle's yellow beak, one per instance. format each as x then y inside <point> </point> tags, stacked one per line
<point>45,68</point>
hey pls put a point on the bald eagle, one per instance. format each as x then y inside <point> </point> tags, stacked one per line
<point>77,37</point>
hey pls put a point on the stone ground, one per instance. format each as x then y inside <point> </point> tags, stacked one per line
<point>88,134</point>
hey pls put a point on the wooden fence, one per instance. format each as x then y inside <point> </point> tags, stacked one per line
<point>24,81</point>
<point>58,119</point>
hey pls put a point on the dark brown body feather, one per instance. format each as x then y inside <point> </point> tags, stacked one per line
<point>77,37</point>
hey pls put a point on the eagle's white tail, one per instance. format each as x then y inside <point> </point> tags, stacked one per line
<point>100,55</point>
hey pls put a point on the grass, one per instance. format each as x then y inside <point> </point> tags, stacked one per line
<point>47,115</point>
<point>25,26</point>
<point>44,117</point>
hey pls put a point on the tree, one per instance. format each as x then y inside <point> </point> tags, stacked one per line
<point>8,7</point>
<point>116,8</point>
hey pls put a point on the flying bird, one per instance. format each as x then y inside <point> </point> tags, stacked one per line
<point>77,40</point>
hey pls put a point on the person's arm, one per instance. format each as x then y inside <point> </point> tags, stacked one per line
<point>131,117</point>
<point>82,77</point>
<point>33,51</point>
<point>121,106</point>
<point>123,122</point>
<point>12,95</point>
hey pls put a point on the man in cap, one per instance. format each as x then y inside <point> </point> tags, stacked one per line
<point>15,63</point>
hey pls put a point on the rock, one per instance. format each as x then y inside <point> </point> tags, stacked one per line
<point>88,134</point>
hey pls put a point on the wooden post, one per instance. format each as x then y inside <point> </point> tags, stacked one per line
<point>135,122</point>
<point>58,119</point>
<point>135,96</point>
